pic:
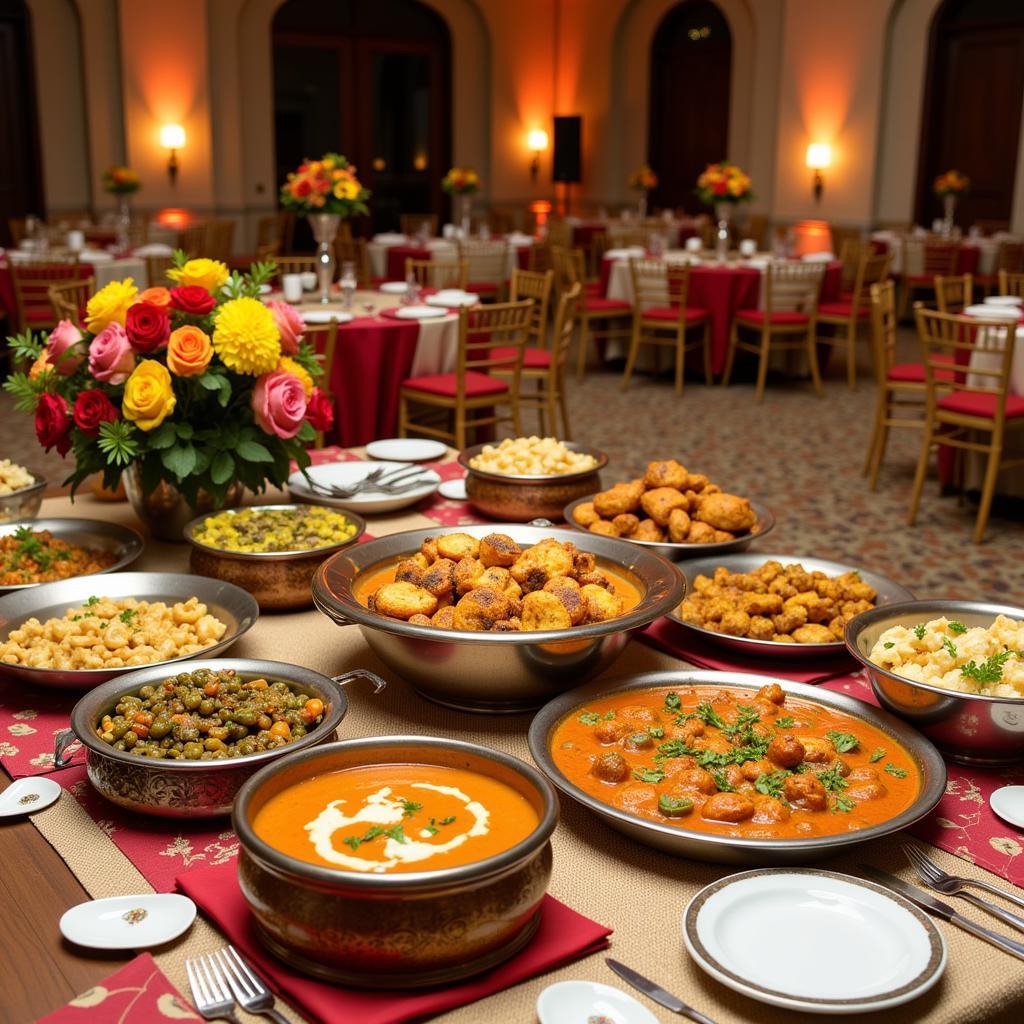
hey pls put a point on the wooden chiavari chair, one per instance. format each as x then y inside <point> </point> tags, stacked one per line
<point>923,261</point>
<point>953,292</point>
<point>324,339</point>
<point>69,299</point>
<point>31,283</point>
<point>295,265</point>
<point>353,250</point>
<point>1009,258</point>
<point>438,273</point>
<point>192,240</point>
<point>487,262</point>
<point>1011,284</point>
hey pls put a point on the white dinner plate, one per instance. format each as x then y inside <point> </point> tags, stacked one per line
<point>837,944</point>
<point>345,474</point>
<point>406,449</point>
<point>128,922</point>
<point>453,299</point>
<point>393,287</point>
<point>1003,300</point>
<point>1007,801</point>
<point>94,256</point>
<point>26,796</point>
<point>993,312</point>
<point>453,490</point>
<point>577,1002</point>
<point>415,312</point>
<point>324,316</point>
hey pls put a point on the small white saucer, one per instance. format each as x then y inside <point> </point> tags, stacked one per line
<point>26,796</point>
<point>569,1002</point>
<point>453,490</point>
<point>993,311</point>
<point>128,922</point>
<point>1003,300</point>
<point>324,316</point>
<point>405,449</point>
<point>453,299</point>
<point>416,312</point>
<point>1007,802</point>
<point>393,287</point>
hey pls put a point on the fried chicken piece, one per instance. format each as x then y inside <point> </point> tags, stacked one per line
<point>702,583</point>
<point>692,611</point>
<point>604,528</point>
<point>659,503</point>
<point>624,497</point>
<point>601,604</point>
<point>499,549</point>
<point>790,618</point>
<point>761,604</point>
<point>813,633</point>
<point>480,609</point>
<point>783,638</point>
<point>440,579</point>
<point>700,533</point>
<point>781,586</point>
<point>467,572</point>
<point>409,571</point>
<point>544,610</point>
<point>420,620</point>
<point>761,628</point>
<point>726,512</point>
<point>666,473</point>
<point>403,600</point>
<point>536,565</point>
<point>501,580</point>
<point>457,546</point>
<point>735,623</point>
<point>513,625</point>
<point>428,549</point>
<point>595,579</point>
<point>695,482</point>
<point>567,590</point>
<point>444,618</point>
<point>583,563</point>
<point>648,529</point>
<point>721,536</point>
<point>626,524</point>
<point>585,514</point>
<point>678,525</point>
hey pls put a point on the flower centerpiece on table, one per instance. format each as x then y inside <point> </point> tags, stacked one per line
<point>949,187</point>
<point>199,385</point>
<point>461,183</point>
<point>325,191</point>
<point>722,186</point>
<point>642,180</point>
<point>121,181</point>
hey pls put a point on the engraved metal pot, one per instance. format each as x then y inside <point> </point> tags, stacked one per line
<point>192,789</point>
<point>403,930</point>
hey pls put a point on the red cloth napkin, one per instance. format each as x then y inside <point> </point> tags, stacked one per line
<point>139,993</point>
<point>668,636</point>
<point>563,936</point>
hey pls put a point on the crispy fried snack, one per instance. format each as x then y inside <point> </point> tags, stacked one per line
<point>726,512</point>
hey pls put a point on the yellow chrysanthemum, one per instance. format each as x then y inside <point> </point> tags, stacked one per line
<point>346,189</point>
<point>245,337</point>
<point>296,369</point>
<point>208,274</point>
<point>110,304</point>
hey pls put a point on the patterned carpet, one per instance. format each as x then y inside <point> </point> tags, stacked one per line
<point>799,454</point>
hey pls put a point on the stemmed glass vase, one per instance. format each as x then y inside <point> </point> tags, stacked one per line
<point>325,229</point>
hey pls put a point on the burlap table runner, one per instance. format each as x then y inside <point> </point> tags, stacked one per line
<point>638,891</point>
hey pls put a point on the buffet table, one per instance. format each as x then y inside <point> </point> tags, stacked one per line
<point>637,891</point>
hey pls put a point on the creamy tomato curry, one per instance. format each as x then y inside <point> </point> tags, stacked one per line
<point>737,763</point>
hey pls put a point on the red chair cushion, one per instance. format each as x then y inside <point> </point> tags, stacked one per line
<point>970,404</point>
<point>533,358</point>
<point>913,373</point>
<point>592,289</point>
<point>447,383</point>
<point>843,308</point>
<point>482,287</point>
<point>756,316</point>
<point>671,314</point>
<point>596,304</point>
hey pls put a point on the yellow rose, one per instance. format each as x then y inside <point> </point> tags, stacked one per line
<point>110,304</point>
<point>208,274</point>
<point>148,395</point>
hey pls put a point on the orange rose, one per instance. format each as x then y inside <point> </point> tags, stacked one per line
<point>188,351</point>
<point>156,297</point>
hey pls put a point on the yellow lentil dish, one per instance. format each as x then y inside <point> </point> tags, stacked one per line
<point>106,634</point>
<point>266,530</point>
<point>208,716</point>
<point>36,556</point>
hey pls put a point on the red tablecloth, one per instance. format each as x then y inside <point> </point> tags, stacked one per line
<point>966,259</point>
<point>398,254</point>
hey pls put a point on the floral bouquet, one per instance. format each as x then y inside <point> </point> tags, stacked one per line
<point>724,183</point>
<point>327,185</point>
<point>643,179</point>
<point>201,384</point>
<point>121,181</point>
<point>461,181</point>
<point>952,183</point>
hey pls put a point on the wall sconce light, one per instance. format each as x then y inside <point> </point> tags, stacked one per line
<point>819,156</point>
<point>172,137</point>
<point>537,141</point>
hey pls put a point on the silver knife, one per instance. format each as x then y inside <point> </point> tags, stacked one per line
<point>656,992</point>
<point>927,902</point>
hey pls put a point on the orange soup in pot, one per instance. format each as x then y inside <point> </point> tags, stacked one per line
<point>390,818</point>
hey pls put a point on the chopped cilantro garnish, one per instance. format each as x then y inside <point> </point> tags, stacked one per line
<point>397,832</point>
<point>673,702</point>
<point>843,803</point>
<point>410,807</point>
<point>648,774</point>
<point>710,716</point>
<point>990,670</point>
<point>785,722</point>
<point>590,718</point>
<point>832,779</point>
<point>656,732</point>
<point>888,645</point>
<point>356,841</point>
<point>842,741</point>
<point>919,631</point>
<point>900,773</point>
<point>877,755</point>
<point>127,616</point>
<point>723,784</point>
<point>770,783</point>
<point>609,715</point>
<point>92,600</point>
<point>957,627</point>
<point>448,820</point>
<point>950,647</point>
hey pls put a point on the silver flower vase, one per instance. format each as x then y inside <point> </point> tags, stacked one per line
<point>948,213</point>
<point>124,222</point>
<point>325,229</point>
<point>465,205</point>
<point>164,510</point>
<point>641,204</point>
<point>723,214</point>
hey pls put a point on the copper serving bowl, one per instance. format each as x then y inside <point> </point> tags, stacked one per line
<point>279,580</point>
<point>192,789</point>
<point>403,930</point>
<point>518,499</point>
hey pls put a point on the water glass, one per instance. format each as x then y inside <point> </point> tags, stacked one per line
<point>308,280</point>
<point>75,240</point>
<point>748,247</point>
<point>412,291</point>
<point>291,286</point>
<point>347,283</point>
<point>694,244</point>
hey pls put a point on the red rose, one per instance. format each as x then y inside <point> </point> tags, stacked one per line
<point>91,409</point>
<point>720,188</point>
<point>320,411</point>
<point>192,298</point>
<point>53,428</point>
<point>147,327</point>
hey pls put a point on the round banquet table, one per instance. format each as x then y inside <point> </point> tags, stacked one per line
<point>387,260</point>
<point>974,257</point>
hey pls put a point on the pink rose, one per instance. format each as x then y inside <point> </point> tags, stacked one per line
<point>289,325</point>
<point>111,358</point>
<point>279,402</point>
<point>63,349</point>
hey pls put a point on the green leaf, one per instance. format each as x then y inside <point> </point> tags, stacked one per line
<point>252,451</point>
<point>306,431</point>
<point>184,431</point>
<point>179,460</point>
<point>162,437</point>
<point>222,468</point>
<point>26,392</point>
<point>842,741</point>
<point>118,442</point>
<point>26,346</point>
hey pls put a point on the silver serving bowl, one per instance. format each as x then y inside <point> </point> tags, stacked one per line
<point>407,929</point>
<point>680,552</point>
<point>494,672</point>
<point>729,849</point>
<point>279,580</point>
<point>889,592</point>
<point>232,605</point>
<point>522,498</point>
<point>966,727</point>
<point>121,541</point>
<point>192,789</point>
<point>23,504</point>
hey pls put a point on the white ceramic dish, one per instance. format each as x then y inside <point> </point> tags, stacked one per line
<point>324,316</point>
<point>128,922</point>
<point>393,287</point>
<point>577,1002</point>
<point>453,490</point>
<point>26,796</point>
<point>1008,803</point>
<point>415,312</point>
<point>94,256</point>
<point>1003,300</point>
<point>789,936</point>
<point>345,474</point>
<point>406,449</point>
<point>452,299</point>
<point>993,312</point>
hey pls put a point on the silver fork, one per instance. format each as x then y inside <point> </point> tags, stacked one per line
<point>212,997</point>
<point>952,885</point>
<point>248,986</point>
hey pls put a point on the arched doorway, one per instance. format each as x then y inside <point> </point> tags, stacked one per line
<point>370,79</point>
<point>691,71</point>
<point>972,107</point>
